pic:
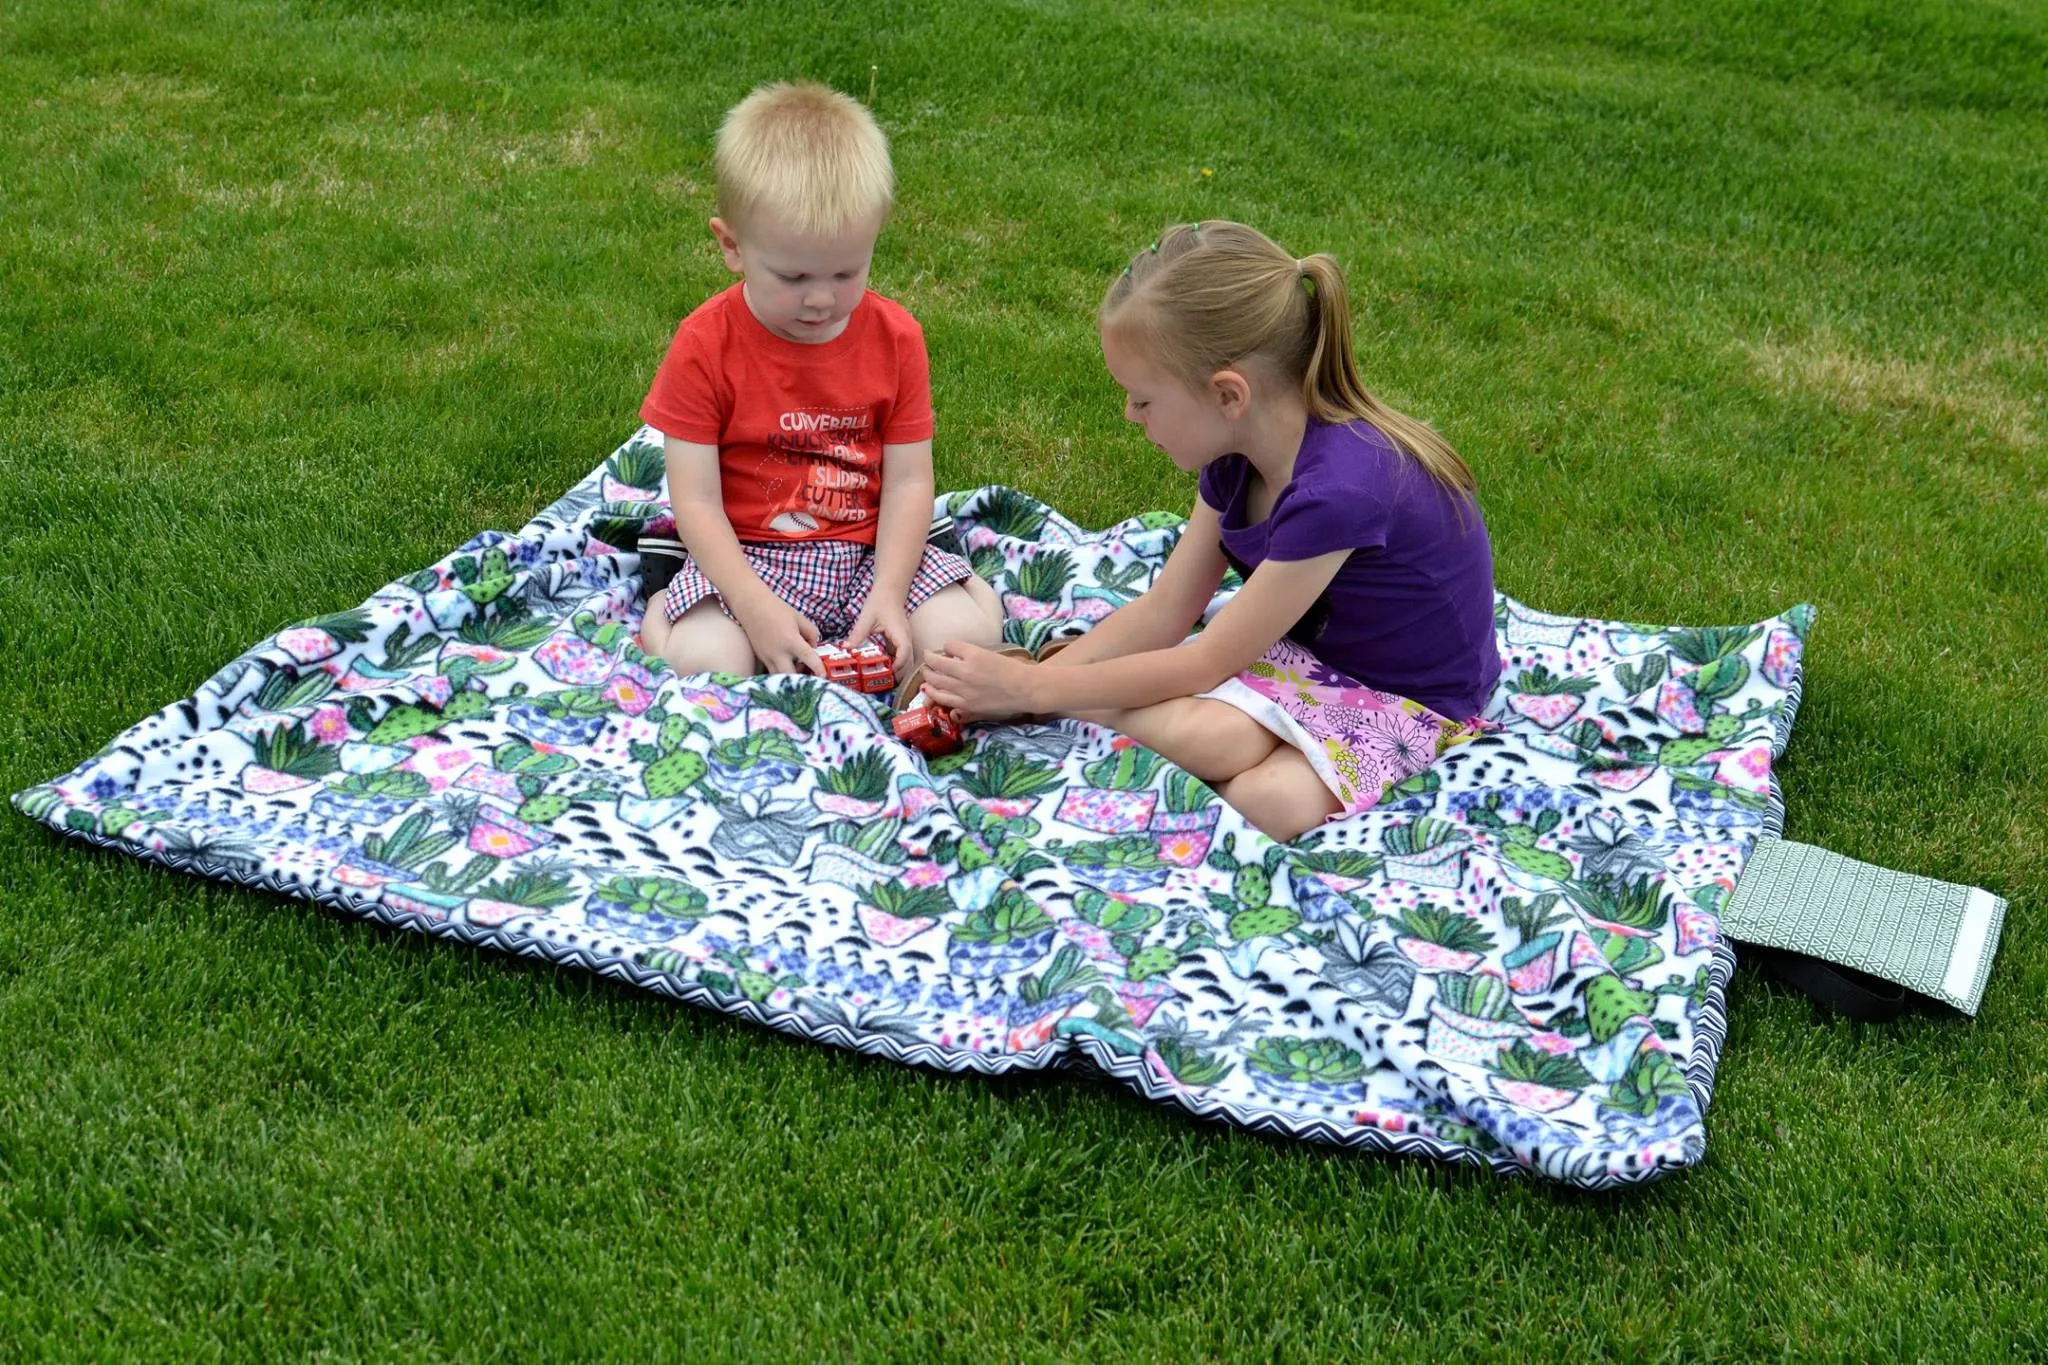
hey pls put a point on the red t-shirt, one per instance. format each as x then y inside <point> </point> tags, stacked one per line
<point>799,427</point>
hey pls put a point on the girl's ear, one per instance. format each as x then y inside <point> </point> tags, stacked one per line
<point>1232,391</point>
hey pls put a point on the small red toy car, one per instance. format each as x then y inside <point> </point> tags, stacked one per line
<point>931,730</point>
<point>864,668</point>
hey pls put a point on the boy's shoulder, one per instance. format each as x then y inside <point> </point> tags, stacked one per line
<point>714,316</point>
<point>893,317</point>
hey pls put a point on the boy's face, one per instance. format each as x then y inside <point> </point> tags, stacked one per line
<point>801,286</point>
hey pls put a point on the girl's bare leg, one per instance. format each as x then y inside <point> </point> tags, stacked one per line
<point>703,640</point>
<point>1282,795</point>
<point>1212,740</point>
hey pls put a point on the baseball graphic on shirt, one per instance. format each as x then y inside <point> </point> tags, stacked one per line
<point>793,522</point>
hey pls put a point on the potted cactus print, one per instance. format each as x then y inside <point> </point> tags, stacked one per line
<point>1115,801</point>
<point>371,798</point>
<point>1005,783</point>
<point>643,909</point>
<point>1650,1081</point>
<point>1532,964</point>
<point>1525,627</point>
<point>1547,699</point>
<point>1294,1070</point>
<point>500,834</point>
<point>537,888</point>
<point>1442,940</point>
<point>1128,863</point>
<point>567,718</point>
<point>1428,852</point>
<point>856,854</point>
<point>1120,923</point>
<point>1250,902</point>
<point>1714,808</point>
<point>858,788</point>
<point>787,704</point>
<point>892,913</point>
<point>1537,867</point>
<point>1040,583</point>
<point>1471,1018</point>
<point>1008,936</point>
<point>397,856</point>
<point>633,474</point>
<point>761,830</point>
<point>1042,998</point>
<point>763,760</point>
<point>309,642</point>
<point>1540,1081</point>
<point>287,758</point>
<point>1185,820</point>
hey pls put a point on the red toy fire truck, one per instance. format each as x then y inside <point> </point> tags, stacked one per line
<point>931,730</point>
<point>864,668</point>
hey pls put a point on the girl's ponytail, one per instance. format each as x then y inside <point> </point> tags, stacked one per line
<point>1207,296</point>
<point>1334,393</point>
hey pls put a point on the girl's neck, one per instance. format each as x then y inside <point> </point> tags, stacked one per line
<point>1270,436</point>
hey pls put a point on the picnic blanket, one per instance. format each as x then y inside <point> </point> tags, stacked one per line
<point>1513,962</point>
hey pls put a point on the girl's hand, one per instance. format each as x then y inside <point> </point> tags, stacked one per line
<point>979,683</point>
<point>784,639</point>
<point>892,623</point>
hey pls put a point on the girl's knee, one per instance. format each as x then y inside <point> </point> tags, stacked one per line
<point>1282,796</point>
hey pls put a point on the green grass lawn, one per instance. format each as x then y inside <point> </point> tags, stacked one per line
<point>1730,307</point>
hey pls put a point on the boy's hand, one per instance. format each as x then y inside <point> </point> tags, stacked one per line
<point>783,638</point>
<point>979,683</point>
<point>891,623</point>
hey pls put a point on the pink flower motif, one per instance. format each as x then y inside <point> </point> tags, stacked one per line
<point>923,874</point>
<point>329,725</point>
<point>1554,1043</point>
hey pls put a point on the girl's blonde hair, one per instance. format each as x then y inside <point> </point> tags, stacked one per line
<point>1209,296</point>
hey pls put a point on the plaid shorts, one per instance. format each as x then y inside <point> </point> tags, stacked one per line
<point>826,580</point>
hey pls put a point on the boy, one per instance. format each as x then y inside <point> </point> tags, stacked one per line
<point>796,407</point>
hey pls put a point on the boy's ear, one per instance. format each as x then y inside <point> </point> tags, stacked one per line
<point>1232,391</point>
<point>728,245</point>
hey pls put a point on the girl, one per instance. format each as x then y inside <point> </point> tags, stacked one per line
<point>1361,646</point>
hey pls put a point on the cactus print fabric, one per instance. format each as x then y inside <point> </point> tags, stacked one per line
<point>1513,961</point>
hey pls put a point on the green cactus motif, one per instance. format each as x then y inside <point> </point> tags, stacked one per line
<point>1306,1059</point>
<point>1518,841</point>
<point>402,723</point>
<point>1155,960</point>
<point>289,749</point>
<point>1610,1004</point>
<point>1650,1078</point>
<point>1560,1071</point>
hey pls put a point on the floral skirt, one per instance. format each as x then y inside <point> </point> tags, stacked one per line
<point>1361,741</point>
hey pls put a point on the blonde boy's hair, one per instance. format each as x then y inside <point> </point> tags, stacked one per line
<point>807,154</point>
<point>1208,296</point>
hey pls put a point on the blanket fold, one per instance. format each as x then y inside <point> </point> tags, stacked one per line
<point>1515,961</point>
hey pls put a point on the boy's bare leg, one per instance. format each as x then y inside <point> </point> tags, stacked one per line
<point>1211,739</point>
<point>703,640</point>
<point>957,612</point>
<point>1282,796</point>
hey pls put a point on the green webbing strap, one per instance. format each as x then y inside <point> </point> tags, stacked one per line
<point>1935,938</point>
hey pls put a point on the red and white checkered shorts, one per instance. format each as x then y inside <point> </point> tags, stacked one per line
<point>826,580</point>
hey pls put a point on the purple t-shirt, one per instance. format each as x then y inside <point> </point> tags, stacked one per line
<point>1411,611</point>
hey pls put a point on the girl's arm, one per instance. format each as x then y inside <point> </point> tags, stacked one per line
<point>900,533</point>
<point>1276,596</point>
<point>1163,615</point>
<point>781,636</point>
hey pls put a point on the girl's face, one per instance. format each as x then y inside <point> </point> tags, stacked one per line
<point>1189,424</point>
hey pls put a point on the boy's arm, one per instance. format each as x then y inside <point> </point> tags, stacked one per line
<point>900,531</point>
<point>782,637</point>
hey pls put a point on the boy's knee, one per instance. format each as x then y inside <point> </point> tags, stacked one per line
<point>705,640</point>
